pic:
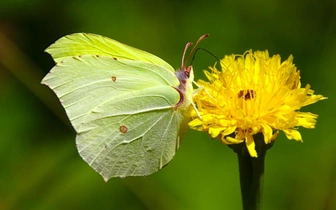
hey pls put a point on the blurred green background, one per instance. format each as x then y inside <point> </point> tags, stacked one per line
<point>40,167</point>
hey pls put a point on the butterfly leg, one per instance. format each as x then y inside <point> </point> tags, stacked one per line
<point>199,88</point>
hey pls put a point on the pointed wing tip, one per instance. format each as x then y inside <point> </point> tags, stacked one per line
<point>50,47</point>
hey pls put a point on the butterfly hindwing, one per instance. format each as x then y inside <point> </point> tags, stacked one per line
<point>130,145</point>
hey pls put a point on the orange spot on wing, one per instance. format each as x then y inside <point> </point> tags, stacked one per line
<point>123,129</point>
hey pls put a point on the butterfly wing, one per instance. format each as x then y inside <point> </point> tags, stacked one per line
<point>92,44</point>
<point>122,110</point>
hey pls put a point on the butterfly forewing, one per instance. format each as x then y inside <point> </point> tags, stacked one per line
<point>93,44</point>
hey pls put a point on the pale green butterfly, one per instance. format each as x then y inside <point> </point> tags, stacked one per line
<point>126,105</point>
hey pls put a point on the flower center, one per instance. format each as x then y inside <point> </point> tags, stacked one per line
<point>246,94</point>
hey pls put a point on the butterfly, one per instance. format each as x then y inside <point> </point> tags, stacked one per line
<point>126,105</point>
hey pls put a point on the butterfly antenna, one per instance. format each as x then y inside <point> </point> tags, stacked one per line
<point>192,60</point>
<point>198,41</point>
<point>184,61</point>
<point>183,66</point>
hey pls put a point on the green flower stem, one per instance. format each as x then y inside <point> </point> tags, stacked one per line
<point>251,172</point>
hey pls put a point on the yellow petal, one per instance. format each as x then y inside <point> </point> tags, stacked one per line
<point>215,131</point>
<point>293,134</point>
<point>196,122</point>
<point>275,135</point>
<point>268,133</point>
<point>230,140</point>
<point>251,145</point>
<point>229,130</point>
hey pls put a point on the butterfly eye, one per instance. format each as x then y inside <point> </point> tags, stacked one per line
<point>182,76</point>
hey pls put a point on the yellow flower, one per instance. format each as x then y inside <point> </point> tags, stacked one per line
<point>253,93</point>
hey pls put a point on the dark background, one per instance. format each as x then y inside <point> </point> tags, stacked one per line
<point>40,167</point>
